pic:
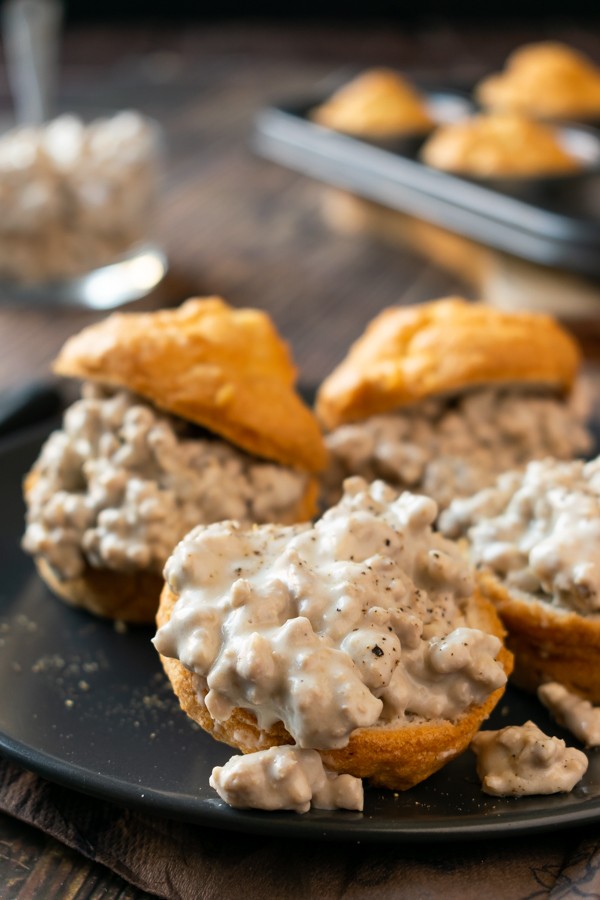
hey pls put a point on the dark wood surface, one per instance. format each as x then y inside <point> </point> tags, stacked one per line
<point>233,224</point>
<point>240,227</point>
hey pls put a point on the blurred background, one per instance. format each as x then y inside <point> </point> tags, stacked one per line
<point>233,223</point>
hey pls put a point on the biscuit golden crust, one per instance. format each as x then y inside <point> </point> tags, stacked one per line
<point>128,596</point>
<point>548,79</point>
<point>378,103</point>
<point>223,368</point>
<point>548,644</point>
<point>498,144</point>
<point>447,346</point>
<point>396,758</point>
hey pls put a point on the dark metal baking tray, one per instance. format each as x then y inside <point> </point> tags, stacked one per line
<point>553,221</point>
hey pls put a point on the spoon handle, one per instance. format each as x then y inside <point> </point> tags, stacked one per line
<point>31,35</point>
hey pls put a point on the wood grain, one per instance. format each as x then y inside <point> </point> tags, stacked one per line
<point>35,866</point>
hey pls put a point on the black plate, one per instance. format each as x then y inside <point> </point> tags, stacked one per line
<point>552,221</point>
<point>87,706</point>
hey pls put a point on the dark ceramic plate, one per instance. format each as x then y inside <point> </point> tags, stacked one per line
<point>87,706</point>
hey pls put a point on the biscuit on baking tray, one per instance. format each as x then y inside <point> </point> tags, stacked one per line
<point>378,104</point>
<point>130,472</point>
<point>408,354</point>
<point>549,80</point>
<point>498,144</point>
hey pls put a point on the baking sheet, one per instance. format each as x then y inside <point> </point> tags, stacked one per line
<point>553,221</point>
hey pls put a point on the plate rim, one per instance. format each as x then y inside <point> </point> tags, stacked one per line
<point>315,825</point>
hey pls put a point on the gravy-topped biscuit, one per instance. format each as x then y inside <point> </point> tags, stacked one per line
<point>361,637</point>
<point>534,536</point>
<point>440,398</point>
<point>187,416</point>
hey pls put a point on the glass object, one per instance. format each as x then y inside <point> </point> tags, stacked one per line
<point>78,204</point>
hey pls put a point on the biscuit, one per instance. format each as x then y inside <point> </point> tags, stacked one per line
<point>395,758</point>
<point>408,354</point>
<point>223,368</point>
<point>498,144</point>
<point>548,644</point>
<point>549,80</point>
<point>378,104</point>
<point>127,596</point>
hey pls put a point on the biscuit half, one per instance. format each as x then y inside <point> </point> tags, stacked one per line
<point>408,354</point>
<point>128,596</point>
<point>223,368</point>
<point>395,758</point>
<point>548,644</point>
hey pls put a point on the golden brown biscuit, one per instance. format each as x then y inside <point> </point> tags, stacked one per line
<point>127,596</point>
<point>396,758</point>
<point>498,144</point>
<point>221,368</point>
<point>410,353</point>
<point>226,369</point>
<point>548,644</point>
<point>378,104</point>
<point>549,80</point>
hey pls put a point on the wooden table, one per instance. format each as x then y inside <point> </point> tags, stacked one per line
<point>240,227</point>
